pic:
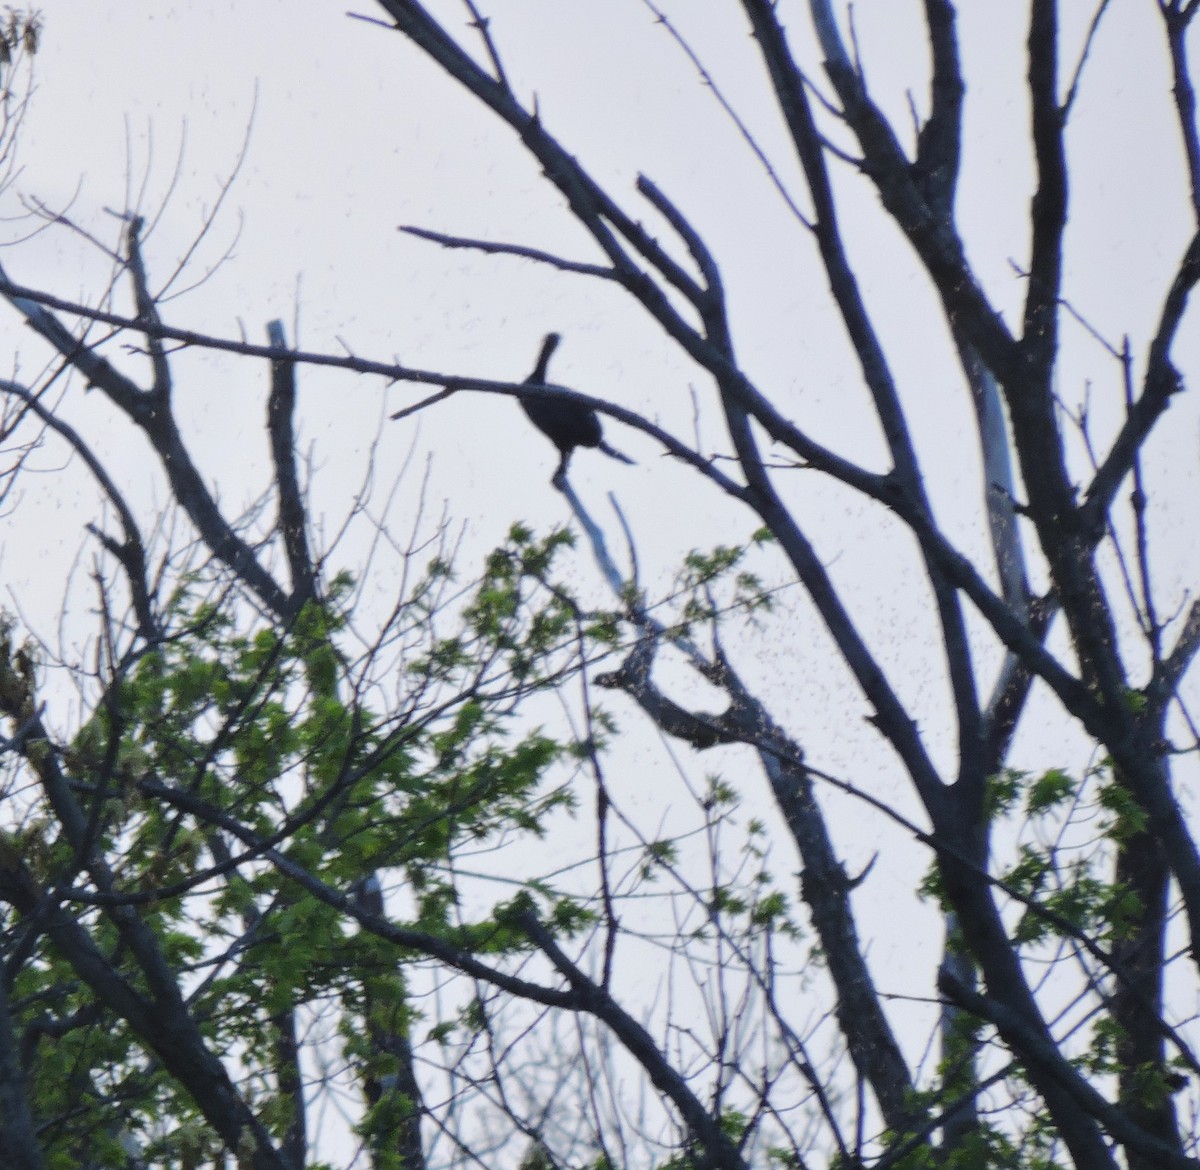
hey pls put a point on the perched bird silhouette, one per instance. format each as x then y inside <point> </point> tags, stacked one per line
<point>566,424</point>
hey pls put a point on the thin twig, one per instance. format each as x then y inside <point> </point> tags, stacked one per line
<point>511,250</point>
<point>1073,88</point>
<point>744,130</point>
<point>418,406</point>
<point>482,23</point>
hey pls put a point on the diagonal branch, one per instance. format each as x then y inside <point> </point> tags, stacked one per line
<point>719,1151</point>
<point>1162,380</point>
<point>907,478</point>
<point>824,884</point>
<point>1037,1050</point>
<point>169,1033</point>
<point>131,552</point>
<point>497,249</point>
<point>151,412</point>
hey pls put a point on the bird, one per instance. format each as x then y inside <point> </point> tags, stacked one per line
<point>566,424</point>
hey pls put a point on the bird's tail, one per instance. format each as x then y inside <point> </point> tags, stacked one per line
<point>613,453</point>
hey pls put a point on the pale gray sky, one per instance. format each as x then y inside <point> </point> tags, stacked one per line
<point>354,133</point>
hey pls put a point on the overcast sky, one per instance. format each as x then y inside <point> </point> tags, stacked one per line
<point>352,133</point>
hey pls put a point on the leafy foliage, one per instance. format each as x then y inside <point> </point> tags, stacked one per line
<point>222,743</point>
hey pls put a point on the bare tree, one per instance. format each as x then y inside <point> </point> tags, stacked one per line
<point>253,840</point>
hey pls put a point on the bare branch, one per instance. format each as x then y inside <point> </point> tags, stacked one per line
<point>496,249</point>
<point>293,520</point>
